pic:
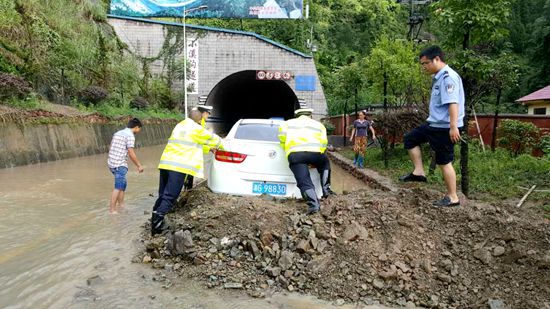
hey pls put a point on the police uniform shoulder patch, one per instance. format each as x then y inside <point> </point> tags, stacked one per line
<point>450,88</point>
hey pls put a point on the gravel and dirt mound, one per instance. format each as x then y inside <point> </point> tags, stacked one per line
<point>364,247</point>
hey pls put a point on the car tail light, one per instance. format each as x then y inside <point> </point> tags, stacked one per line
<point>231,157</point>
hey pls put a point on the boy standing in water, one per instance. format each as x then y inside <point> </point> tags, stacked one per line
<point>122,146</point>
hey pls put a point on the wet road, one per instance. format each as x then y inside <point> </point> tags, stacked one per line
<point>56,232</point>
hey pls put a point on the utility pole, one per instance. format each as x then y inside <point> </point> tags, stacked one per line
<point>386,115</point>
<point>495,120</point>
<point>345,122</point>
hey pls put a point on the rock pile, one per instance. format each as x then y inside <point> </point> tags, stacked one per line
<point>364,247</point>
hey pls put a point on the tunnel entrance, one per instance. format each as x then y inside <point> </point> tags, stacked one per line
<point>241,95</point>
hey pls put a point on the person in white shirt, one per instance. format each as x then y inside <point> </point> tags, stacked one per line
<point>122,146</point>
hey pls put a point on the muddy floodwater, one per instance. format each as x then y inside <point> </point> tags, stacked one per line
<point>59,246</point>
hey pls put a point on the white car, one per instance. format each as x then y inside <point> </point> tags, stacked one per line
<point>254,162</point>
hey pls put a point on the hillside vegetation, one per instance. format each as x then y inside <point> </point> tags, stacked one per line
<point>67,53</point>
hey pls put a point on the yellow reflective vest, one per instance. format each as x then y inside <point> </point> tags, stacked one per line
<point>205,149</point>
<point>183,153</point>
<point>303,134</point>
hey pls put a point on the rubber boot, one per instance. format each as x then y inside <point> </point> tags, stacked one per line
<point>157,224</point>
<point>325,184</point>
<point>313,205</point>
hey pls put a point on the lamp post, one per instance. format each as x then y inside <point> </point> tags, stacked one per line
<point>202,7</point>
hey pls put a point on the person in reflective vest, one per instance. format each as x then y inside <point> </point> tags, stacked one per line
<point>207,152</point>
<point>182,158</point>
<point>305,142</point>
<point>207,158</point>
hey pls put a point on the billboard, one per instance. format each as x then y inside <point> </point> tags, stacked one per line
<point>282,9</point>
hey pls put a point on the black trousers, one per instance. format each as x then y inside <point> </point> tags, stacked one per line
<point>299,165</point>
<point>170,185</point>
<point>439,141</point>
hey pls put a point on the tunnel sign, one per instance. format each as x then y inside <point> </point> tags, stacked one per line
<point>273,75</point>
<point>192,78</point>
<point>305,83</point>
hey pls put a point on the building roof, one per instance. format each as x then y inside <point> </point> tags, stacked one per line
<point>539,95</point>
<point>167,23</point>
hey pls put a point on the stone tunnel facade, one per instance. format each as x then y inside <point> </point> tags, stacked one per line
<point>242,74</point>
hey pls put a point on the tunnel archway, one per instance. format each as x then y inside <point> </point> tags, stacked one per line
<point>241,95</point>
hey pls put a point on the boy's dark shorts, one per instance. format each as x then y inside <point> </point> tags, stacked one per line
<point>439,141</point>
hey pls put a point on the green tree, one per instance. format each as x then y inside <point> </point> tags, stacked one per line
<point>398,60</point>
<point>521,23</point>
<point>350,79</point>
<point>466,22</point>
<point>504,74</point>
<point>541,54</point>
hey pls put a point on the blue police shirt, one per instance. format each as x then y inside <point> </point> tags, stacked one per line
<point>446,89</point>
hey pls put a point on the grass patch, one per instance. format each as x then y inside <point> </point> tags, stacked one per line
<point>34,103</point>
<point>30,102</point>
<point>118,111</point>
<point>493,175</point>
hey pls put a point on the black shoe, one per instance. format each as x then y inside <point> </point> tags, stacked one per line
<point>157,224</point>
<point>328,192</point>
<point>446,202</point>
<point>412,177</point>
<point>312,211</point>
<point>325,184</point>
<point>313,205</point>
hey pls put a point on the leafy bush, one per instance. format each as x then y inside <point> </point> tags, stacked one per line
<point>545,145</point>
<point>12,86</point>
<point>93,95</point>
<point>518,137</point>
<point>329,126</point>
<point>139,103</point>
<point>162,95</point>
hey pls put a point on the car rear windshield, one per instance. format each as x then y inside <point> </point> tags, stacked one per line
<point>258,132</point>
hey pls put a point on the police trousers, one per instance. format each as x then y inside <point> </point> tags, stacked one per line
<point>170,186</point>
<point>299,165</point>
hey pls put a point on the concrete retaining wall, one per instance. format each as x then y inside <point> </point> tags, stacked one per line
<point>22,144</point>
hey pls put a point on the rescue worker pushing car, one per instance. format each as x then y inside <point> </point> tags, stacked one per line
<point>207,158</point>
<point>182,158</point>
<point>305,142</point>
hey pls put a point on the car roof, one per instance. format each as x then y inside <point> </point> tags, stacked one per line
<point>261,121</point>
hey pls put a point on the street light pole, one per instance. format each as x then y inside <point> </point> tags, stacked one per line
<point>184,64</point>
<point>202,7</point>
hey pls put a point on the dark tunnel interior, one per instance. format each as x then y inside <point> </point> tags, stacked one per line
<point>241,95</point>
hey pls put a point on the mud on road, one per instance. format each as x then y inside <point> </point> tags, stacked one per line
<point>365,247</point>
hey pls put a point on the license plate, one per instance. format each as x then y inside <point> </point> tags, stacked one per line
<point>269,188</point>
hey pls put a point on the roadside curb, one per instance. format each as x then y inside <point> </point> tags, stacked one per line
<point>368,176</point>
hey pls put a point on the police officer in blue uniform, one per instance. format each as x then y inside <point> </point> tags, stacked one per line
<point>442,129</point>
